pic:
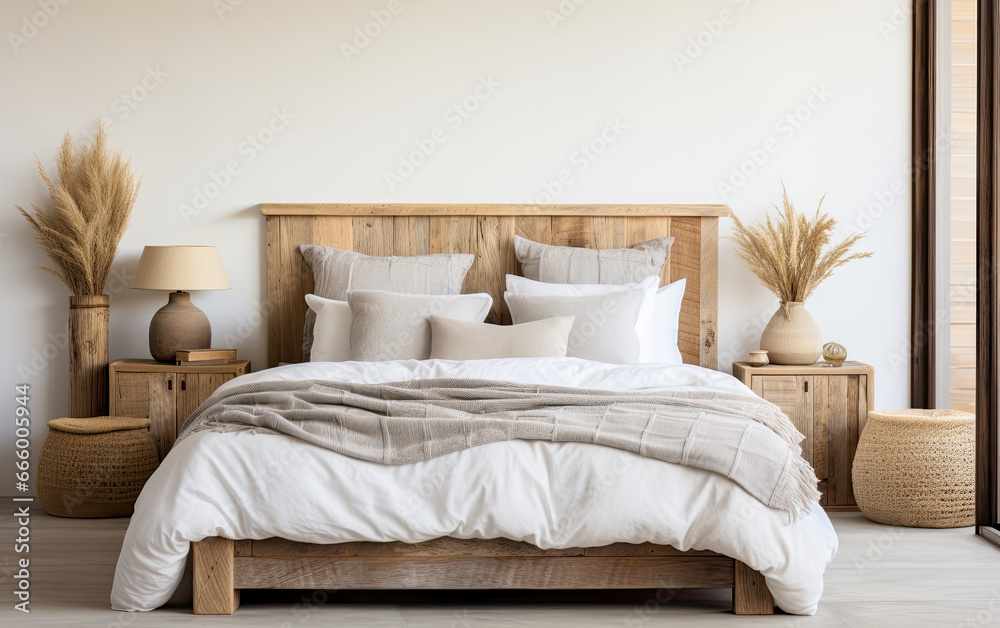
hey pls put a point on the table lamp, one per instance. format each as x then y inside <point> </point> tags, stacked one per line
<point>179,324</point>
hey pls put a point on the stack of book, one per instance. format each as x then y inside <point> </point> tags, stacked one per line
<point>196,357</point>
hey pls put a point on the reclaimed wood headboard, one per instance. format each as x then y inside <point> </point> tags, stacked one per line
<point>487,231</point>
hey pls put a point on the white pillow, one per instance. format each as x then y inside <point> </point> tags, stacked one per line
<point>643,325</point>
<point>332,332</point>
<point>659,318</point>
<point>604,325</point>
<point>667,322</point>
<point>333,318</point>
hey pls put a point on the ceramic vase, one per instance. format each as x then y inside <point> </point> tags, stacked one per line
<point>792,336</point>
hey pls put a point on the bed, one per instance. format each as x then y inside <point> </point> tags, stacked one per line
<point>245,533</point>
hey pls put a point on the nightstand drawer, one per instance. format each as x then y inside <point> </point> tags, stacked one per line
<point>794,395</point>
<point>829,405</point>
<point>165,394</point>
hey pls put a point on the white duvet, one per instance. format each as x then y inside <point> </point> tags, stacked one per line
<point>553,495</point>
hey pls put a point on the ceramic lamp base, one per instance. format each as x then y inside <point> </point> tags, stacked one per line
<point>178,325</point>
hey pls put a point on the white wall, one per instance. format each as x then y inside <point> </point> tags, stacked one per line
<point>218,76</point>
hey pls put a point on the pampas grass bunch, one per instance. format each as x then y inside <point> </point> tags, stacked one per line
<point>92,205</point>
<point>790,255</point>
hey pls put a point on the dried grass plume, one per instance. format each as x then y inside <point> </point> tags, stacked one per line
<point>92,205</point>
<point>787,255</point>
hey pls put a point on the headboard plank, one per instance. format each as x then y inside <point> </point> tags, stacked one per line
<point>374,235</point>
<point>574,231</point>
<point>404,209</point>
<point>487,231</point>
<point>709,270</point>
<point>275,290</point>
<point>335,231</point>
<point>411,235</point>
<point>685,263</point>
<point>643,229</point>
<point>534,228</point>
<point>295,273</point>
<point>494,237</point>
<point>609,232</point>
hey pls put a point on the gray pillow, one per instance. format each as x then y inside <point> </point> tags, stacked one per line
<point>604,329</point>
<point>458,340</point>
<point>336,272</point>
<point>394,326</point>
<point>571,264</point>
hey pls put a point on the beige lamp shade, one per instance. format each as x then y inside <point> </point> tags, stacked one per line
<point>183,268</point>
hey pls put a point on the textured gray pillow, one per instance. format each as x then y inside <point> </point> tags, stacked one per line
<point>394,326</point>
<point>336,272</point>
<point>571,264</point>
<point>458,340</point>
<point>604,329</point>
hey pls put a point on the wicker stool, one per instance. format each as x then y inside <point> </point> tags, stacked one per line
<point>95,467</point>
<point>917,468</point>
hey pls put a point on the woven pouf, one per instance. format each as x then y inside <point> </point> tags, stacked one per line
<point>917,468</point>
<point>95,467</point>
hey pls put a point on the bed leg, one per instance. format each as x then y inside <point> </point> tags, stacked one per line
<point>214,593</point>
<point>750,594</point>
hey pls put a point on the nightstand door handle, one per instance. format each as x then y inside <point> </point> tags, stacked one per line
<point>183,384</point>
<point>805,386</point>
<point>170,384</point>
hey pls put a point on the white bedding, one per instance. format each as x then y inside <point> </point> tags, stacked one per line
<point>237,486</point>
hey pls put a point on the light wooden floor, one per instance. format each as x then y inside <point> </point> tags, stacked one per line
<point>882,576</point>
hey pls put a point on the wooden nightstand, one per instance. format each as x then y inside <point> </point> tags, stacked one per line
<point>829,405</point>
<point>164,393</point>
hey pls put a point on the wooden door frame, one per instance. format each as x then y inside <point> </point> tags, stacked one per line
<point>923,306</point>
<point>987,258</point>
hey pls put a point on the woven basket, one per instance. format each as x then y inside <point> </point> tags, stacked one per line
<point>95,467</point>
<point>917,468</point>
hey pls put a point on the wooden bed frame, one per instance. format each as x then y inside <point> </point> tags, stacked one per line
<point>223,566</point>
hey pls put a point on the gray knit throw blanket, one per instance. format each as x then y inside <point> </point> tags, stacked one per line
<point>741,437</point>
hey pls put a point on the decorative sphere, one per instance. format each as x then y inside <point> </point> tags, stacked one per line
<point>834,353</point>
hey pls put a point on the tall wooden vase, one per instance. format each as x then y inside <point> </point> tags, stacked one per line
<point>88,355</point>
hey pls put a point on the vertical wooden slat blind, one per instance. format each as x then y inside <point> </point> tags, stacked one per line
<point>962,217</point>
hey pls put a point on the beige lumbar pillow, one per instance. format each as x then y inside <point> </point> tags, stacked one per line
<point>457,340</point>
